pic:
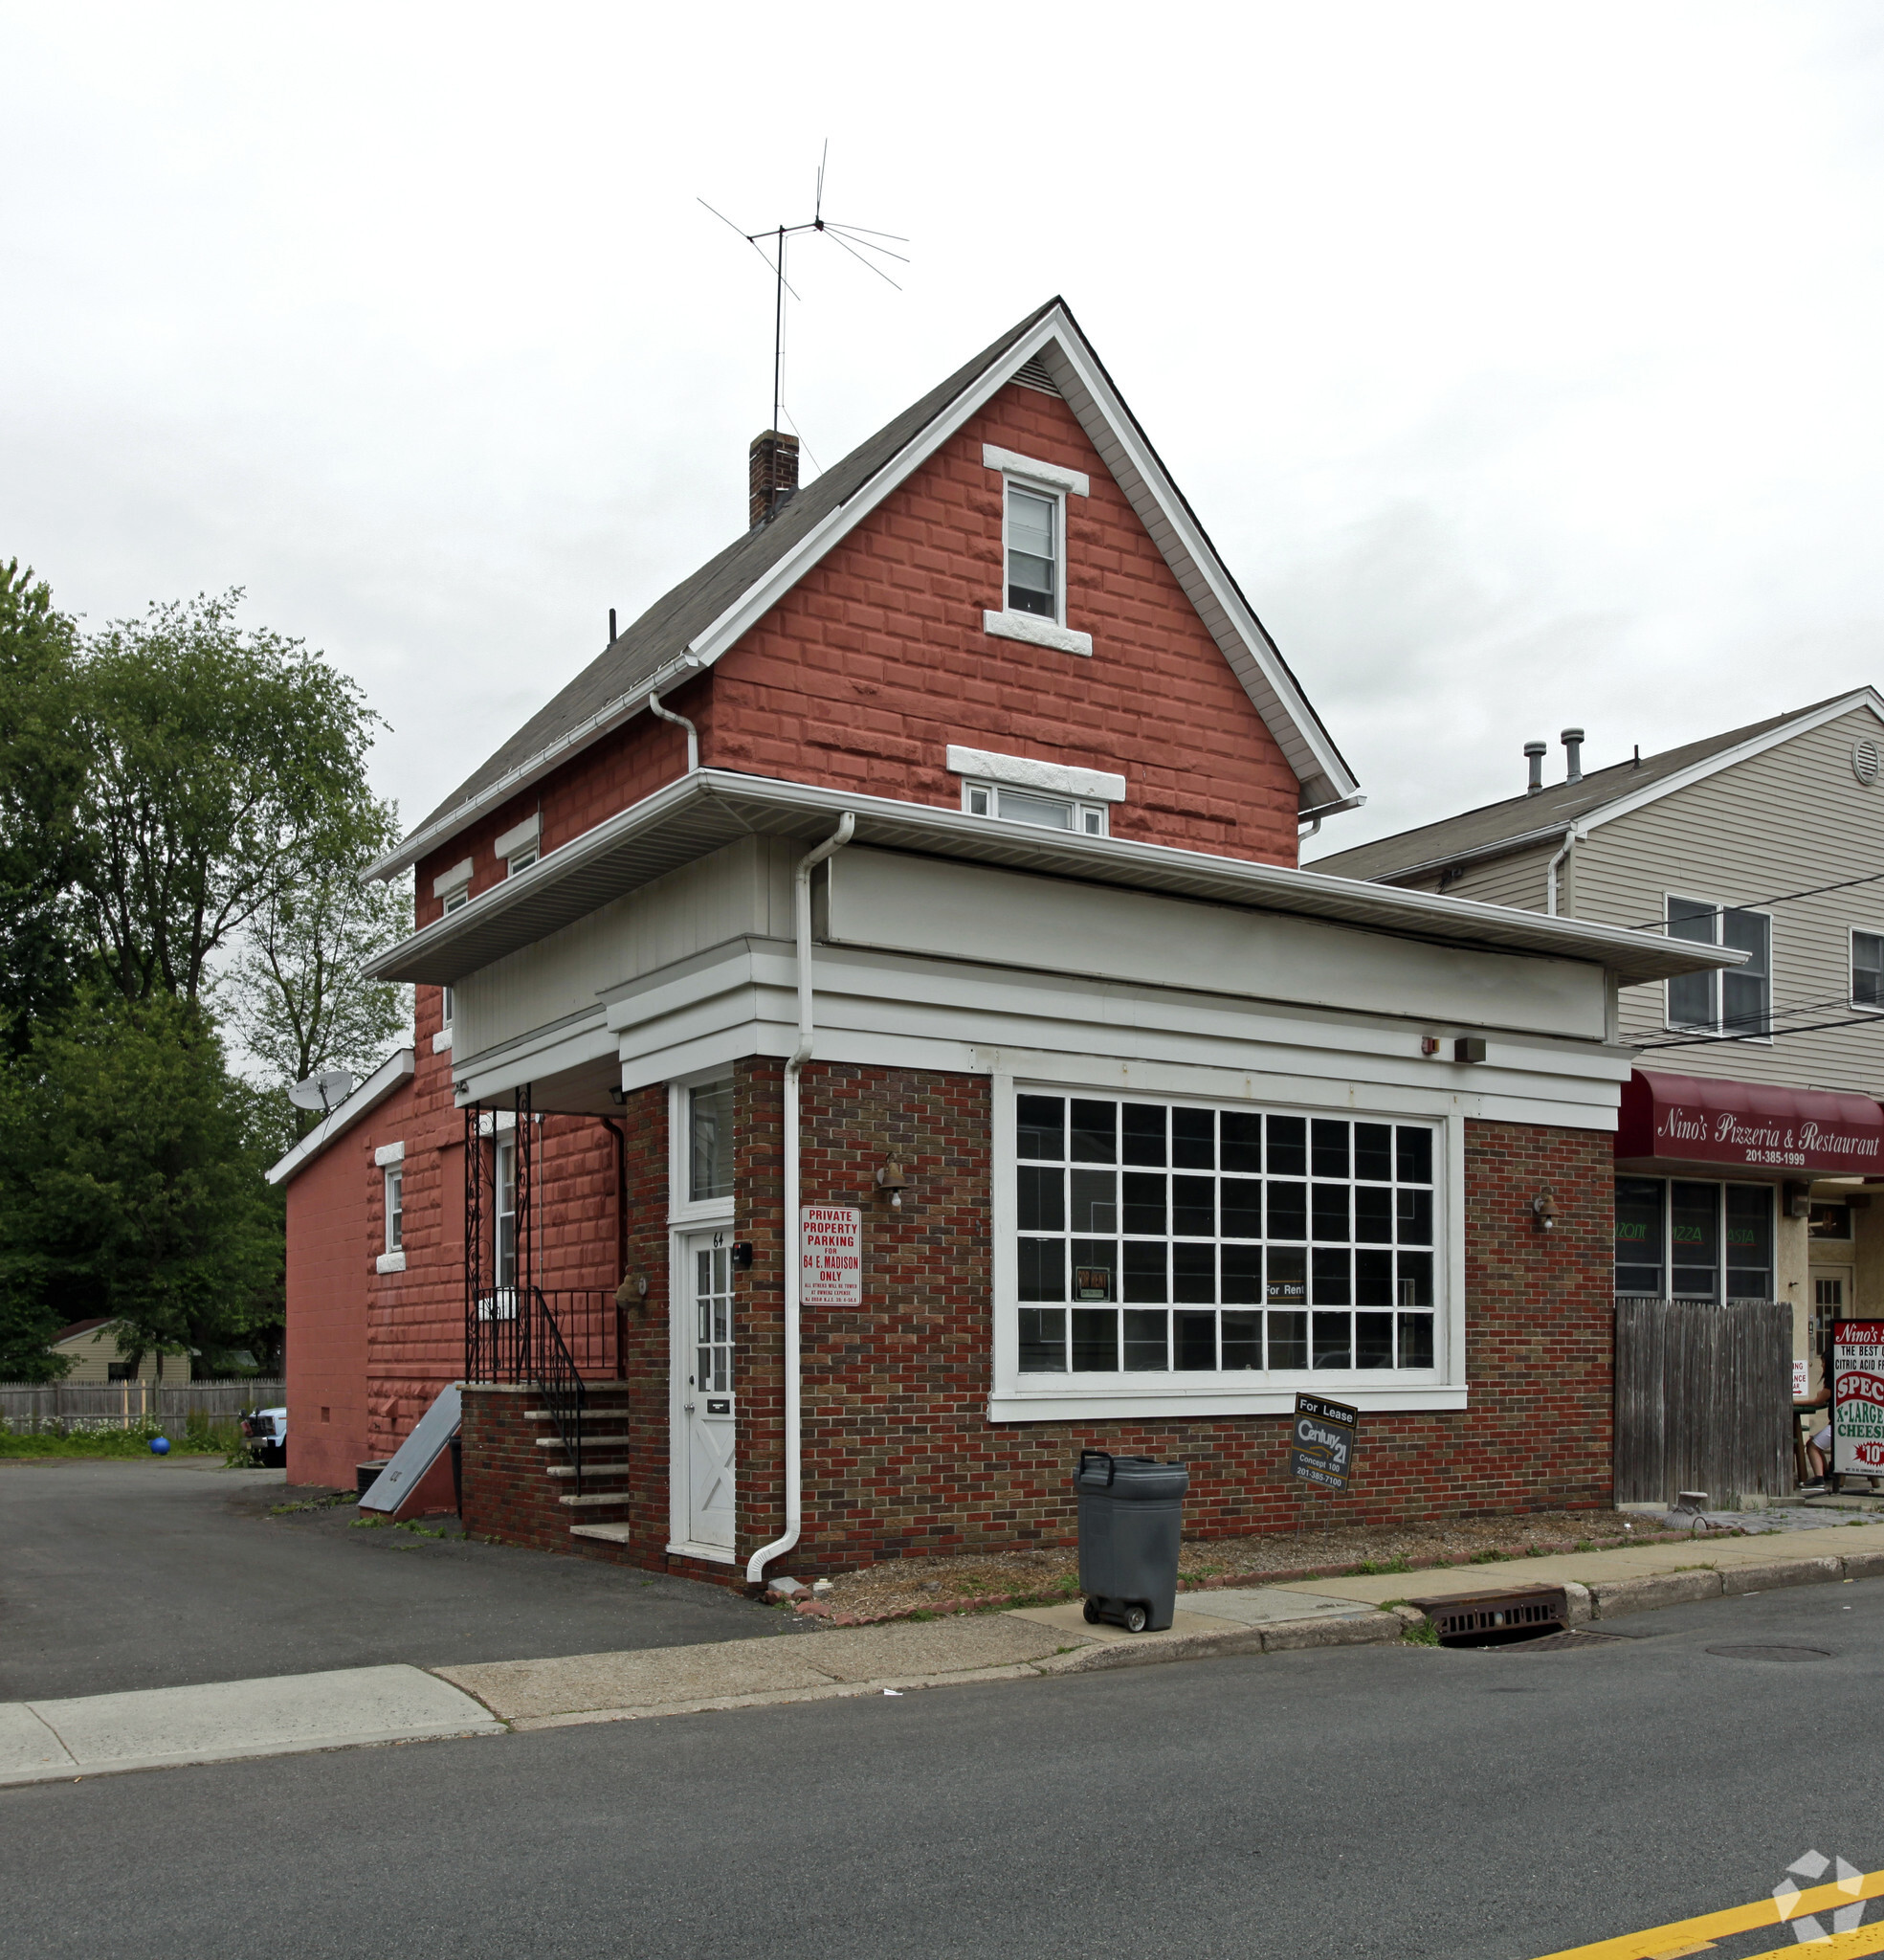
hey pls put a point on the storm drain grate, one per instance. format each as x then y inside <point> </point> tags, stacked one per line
<point>1480,1619</point>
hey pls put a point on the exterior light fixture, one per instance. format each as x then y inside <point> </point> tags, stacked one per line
<point>1469,1048</point>
<point>617,1095</point>
<point>890,1178</point>
<point>1543,1209</point>
<point>1429,1045</point>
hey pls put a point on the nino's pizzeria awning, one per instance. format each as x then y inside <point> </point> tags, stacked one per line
<point>1754,1126</point>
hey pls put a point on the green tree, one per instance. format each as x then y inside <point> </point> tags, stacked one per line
<point>296,993</point>
<point>223,769</point>
<point>41,774</point>
<point>134,1185</point>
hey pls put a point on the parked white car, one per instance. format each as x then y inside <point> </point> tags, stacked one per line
<point>267,1433</point>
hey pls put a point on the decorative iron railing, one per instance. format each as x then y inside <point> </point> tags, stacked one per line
<point>564,1392</point>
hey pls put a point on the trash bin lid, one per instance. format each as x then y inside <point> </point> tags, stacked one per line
<point>1139,1479</point>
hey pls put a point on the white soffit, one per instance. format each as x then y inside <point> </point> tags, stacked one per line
<point>519,834</point>
<point>1023,772</point>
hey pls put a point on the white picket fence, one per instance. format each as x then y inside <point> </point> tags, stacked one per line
<point>26,1406</point>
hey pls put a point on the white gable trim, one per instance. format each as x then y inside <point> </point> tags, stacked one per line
<point>370,1092</point>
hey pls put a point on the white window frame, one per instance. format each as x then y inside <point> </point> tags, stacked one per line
<point>1055,485</point>
<point>683,1211</point>
<point>458,898</point>
<point>1862,1006</point>
<point>520,861</point>
<point>1018,1397</point>
<point>453,887</point>
<point>394,1175</point>
<point>1718,1031</point>
<point>983,798</point>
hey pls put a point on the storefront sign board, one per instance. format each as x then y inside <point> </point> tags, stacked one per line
<point>1688,1119</point>
<point>1858,1397</point>
<point>1321,1443</point>
<point>832,1240</point>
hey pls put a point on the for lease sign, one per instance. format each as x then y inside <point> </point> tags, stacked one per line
<point>1858,1397</point>
<point>831,1242</point>
<point>1321,1444</point>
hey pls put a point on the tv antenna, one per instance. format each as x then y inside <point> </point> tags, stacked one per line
<point>855,239</point>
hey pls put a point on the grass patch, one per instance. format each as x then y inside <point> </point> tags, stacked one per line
<point>1424,1634</point>
<point>313,1504</point>
<point>1536,1552</point>
<point>1490,1556</point>
<point>379,1521</point>
<point>122,1443</point>
<point>1372,1566</point>
<point>1586,1545</point>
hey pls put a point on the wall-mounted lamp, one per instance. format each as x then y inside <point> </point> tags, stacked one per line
<point>890,1178</point>
<point>1429,1045</point>
<point>1543,1209</point>
<point>633,1290</point>
<point>617,1095</point>
<point>743,1256</point>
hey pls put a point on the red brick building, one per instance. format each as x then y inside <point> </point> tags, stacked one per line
<point>874,1040</point>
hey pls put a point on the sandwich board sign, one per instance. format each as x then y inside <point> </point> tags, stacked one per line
<point>1857,1399</point>
<point>1321,1443</point>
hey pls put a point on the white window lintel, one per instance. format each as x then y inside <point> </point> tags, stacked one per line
<point>1037,631</point>
<point>390,1154</point>
<point>1075,482</point>
<point>450,881</point>
<point>1025,772</point>
<point>441,1040</point>
<point>513,840</point>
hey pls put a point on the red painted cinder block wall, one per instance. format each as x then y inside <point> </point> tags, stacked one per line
<point>877,660</point>
<point>326,1367</point>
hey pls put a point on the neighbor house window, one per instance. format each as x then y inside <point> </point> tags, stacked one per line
<point>1684,1239</point>
<point>710,1142</point>
<point>1739,1001</point>
<point>459,896</point>
<point>1032,806</point>
<point>1034,552</point>
<point>1163,1239</point>
<point>1828,1220</point>
<point>520,860</point>
<point>1867,969</point>
<point>395,1210</point>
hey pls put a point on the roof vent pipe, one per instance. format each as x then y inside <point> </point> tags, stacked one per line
<point>1572,740</point>
<point>1533,752</point>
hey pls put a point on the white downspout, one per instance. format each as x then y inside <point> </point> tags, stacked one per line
<point>1573,836</point>
<point>794,1250</point>
<point>679,721</point>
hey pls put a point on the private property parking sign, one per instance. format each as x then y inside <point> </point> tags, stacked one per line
<point>1858,1397</point>
<point>832,1240</point>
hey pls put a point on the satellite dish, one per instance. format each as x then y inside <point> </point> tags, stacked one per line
<point>324,1092</point>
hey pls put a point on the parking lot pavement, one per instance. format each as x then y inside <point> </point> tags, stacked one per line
<point>118,1575</point>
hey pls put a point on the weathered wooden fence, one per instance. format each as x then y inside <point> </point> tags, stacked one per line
<point>1704,1399</point>
<point>38,1405</point>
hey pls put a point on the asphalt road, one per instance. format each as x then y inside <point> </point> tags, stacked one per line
<point>1402,1801</point>
<point>161,1574</point>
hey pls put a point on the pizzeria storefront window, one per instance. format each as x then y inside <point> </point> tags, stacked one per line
<point>1166,1238</point>
<point>1687,1239</point>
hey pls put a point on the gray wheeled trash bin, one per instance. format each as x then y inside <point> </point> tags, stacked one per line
<point>1131,1518</point>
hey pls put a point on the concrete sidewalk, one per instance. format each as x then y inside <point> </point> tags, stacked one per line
<point>92,1734</point>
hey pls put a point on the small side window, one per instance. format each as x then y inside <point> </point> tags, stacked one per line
<point>522,860</point>
<point>1867,969</point>
<point>1034,556</point>
<point>395,1210</point>
<point>460,897</point>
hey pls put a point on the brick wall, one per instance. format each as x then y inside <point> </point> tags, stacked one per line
<point>899,1457</point>
<point>326,1308</point>
<point>875,661</point>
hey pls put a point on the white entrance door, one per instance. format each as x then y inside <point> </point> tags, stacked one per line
<point>1832,1300</point>
<point>704,1429</point>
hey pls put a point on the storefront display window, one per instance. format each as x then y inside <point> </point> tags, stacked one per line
<point>1158,1237</point>
<point>1681,1239</point>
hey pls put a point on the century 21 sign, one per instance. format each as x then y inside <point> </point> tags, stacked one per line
<point>1321,1444</point>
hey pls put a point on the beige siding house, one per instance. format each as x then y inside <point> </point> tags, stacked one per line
<point>96,1355</point>
<point>1768,837</point>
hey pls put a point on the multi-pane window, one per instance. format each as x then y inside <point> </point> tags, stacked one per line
<point>395,1210</point>
<point>1683,1240</point>
<point>505,1222</point>
<point>1034,556</point>
<point>710,1142</point>
<point>1160,1237</point>
<point>1739,1001</point>
<point>712,1308</point>
<point>1867,969</point>
<point>1035,807</point>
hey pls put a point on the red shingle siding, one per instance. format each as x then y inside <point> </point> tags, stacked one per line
<point>326,1350</point>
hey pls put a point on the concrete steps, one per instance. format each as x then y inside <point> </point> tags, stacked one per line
<point>601,1507</point>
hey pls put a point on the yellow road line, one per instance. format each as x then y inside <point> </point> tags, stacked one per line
<point>1868,1939</point>
<point>1692,1935</point>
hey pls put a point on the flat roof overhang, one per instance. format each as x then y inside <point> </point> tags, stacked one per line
<point>708,809</point>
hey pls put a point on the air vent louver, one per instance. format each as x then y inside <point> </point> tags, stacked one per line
<point>1866,761</point>
<point>1031,374</point>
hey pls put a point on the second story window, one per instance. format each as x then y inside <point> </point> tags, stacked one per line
<point>457,897</point>
<point>1867,969</point>
<point>395,1210</point>
<point>1739,1002</point>
<point>1030,805</point>
<point>1034,552</point>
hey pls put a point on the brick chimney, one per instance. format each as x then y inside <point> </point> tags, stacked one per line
<point>771,475</point>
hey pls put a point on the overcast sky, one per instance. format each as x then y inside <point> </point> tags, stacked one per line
<point>1523,361</point>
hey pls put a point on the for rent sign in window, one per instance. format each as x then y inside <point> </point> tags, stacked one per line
<point>1858,1397</point>
<point>831,1236</point>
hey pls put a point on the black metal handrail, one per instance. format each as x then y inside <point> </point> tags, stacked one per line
<point>559,1380</point>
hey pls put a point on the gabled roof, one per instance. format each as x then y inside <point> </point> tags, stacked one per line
<point>370,1092</point>
<point>78,1328</point>
<point>705,614</point>
<point>1521,823</point>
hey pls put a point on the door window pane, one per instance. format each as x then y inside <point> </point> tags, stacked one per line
<point>711,1142</point>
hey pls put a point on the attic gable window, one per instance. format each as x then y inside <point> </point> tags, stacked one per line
<point>1024,789</point>
<point>1034,533</point>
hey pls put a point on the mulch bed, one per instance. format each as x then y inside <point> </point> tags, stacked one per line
<point>923,1587</point>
